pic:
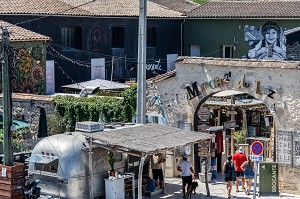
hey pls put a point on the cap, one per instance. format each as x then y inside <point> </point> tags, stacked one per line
<point>185,156</point>
<point>241,150</point>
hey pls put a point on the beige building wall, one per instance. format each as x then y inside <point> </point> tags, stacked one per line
<point>257,78</point>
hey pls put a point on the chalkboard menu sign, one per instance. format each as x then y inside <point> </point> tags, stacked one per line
<point>284,147</point>
<point>268,178</point>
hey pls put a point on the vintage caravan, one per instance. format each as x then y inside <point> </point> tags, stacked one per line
<point>61,162</point>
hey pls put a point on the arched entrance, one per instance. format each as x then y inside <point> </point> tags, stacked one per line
<point>236,119</point>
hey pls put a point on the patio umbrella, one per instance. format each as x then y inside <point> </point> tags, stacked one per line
<point>42,132</point>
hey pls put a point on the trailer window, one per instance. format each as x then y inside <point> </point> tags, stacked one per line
<point>47,167</point>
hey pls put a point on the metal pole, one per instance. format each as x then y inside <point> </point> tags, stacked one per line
<point>141,76</point>
<point>91,167</point>
<point>140,177</point>
<point>255,179</point>
<point>7,140</point>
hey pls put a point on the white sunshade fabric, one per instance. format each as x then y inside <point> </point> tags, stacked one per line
<point>227,93</point>
<point>101,83</point>
<point>43,159</point>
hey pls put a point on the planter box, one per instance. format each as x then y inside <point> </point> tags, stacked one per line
<point>12,184</point>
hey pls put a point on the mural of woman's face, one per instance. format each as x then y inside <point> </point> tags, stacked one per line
<point>271,35</point>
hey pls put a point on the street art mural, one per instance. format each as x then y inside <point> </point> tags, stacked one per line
<point>97,39</point>
<point>27,68</point>
<point>267,41</point>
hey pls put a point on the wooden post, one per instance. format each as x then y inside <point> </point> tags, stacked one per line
<point>206,178</point>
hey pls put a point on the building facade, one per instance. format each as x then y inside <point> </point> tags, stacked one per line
<point>275,83</point>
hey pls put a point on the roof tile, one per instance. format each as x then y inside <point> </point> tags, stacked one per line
<point>96,8</point>
<point>248,9</point>
<point>21,34</point>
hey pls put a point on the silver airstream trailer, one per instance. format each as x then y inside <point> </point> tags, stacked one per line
<point>61,162</point>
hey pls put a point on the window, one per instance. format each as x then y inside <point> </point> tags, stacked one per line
<point>118,36</point>
<point>227,51</point>
<point>72,37</point>
<point>44,163</point>
<point>195,50</point>
<point>151,37</point>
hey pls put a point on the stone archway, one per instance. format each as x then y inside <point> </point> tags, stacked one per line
<point>275,83</point>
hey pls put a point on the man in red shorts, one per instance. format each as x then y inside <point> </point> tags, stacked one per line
<point>239,158</point>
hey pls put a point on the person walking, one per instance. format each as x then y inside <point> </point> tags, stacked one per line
<point>187,175</point>
<point>238,159</point>
<point>156,165</point>
<point>248,168</point>
<point>229,173</point>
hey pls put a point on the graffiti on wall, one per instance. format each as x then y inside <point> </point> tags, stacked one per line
<point>27,69</point>
<point>266,42</point>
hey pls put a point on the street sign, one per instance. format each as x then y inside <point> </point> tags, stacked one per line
<point>203,114</point>
<point>268,178</point>
<point>229,125</point>
<point>231,112</point>
<point>258,158</point>
<point>257,148</point>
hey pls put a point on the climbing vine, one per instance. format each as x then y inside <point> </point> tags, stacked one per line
<point>108,109</point>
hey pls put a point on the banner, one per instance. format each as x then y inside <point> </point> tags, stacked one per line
<point>98,68</point>
<point>50,77</point>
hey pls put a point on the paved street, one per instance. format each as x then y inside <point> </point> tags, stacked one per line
<point>217,191</point>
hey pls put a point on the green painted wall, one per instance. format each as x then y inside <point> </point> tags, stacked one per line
<point>211,34</point>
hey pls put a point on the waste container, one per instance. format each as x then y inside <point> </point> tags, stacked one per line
<point>268,178</point>
<point>214,167</point>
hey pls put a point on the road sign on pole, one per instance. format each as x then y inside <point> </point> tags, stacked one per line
<point>257,148</point>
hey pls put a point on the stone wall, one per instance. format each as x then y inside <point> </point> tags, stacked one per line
<point>289,180</point>
<point>276,83</point>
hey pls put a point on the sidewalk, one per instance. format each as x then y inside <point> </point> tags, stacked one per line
<point>217,189</point>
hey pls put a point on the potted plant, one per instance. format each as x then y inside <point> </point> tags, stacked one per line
<point>111,161</point>
<point>239,136</point>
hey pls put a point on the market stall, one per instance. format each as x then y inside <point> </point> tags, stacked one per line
<point>144,140</point>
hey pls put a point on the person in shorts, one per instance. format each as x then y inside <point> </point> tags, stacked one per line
<point>187,175</point>
<point>238,159</point>
<point>157,172</point>
<point>228,172</point>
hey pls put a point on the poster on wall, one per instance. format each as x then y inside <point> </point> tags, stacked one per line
<point>296,149</point>
<point>50,77</point>
<point>98,68</point>
<point>266,42</point>
<point>284,147</point>
<point>171,61</point>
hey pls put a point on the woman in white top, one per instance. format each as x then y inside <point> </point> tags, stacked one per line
<point>187,175</point>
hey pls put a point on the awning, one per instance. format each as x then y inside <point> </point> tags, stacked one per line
<point>147,138</point>
<point>101,83</point>
<point>227,93</point>
<point>42,159</point>
<point>238,103</point>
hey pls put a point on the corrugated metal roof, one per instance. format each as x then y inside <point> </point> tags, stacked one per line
<point>248,9</point>
<point>21,34</point>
